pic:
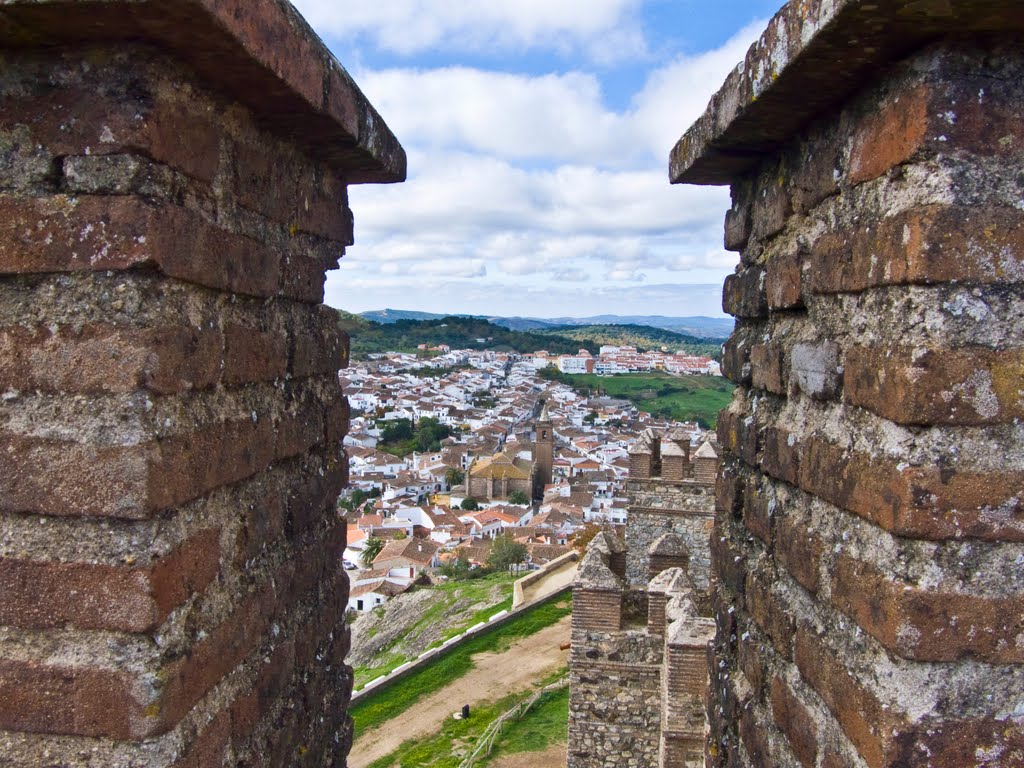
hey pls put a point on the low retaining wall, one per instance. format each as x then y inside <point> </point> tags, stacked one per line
<point>531,578</point>
<point>497,620</point>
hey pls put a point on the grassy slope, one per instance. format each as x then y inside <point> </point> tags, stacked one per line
<point>475,591</point>
<point>379,707</point>
<point>682,398</point>
<point>545,724</point>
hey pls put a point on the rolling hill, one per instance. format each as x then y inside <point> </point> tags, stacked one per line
<point>697,326</point>
<point>405,335</point>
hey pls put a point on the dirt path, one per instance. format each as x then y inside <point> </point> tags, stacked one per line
<point>495,675</point>
<point>552,757</point>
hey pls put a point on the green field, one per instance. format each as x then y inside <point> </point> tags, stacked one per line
<point>544,724</point>
<point>681,398</point>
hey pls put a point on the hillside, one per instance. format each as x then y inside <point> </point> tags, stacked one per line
<point>699,325</point>
<point>642,337</point>
<point>457,332</point>
<point>369,337</point>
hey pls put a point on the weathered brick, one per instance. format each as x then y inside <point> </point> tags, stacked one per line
<point>890,136</point>
<point>299,429</point>
<point>744,294</point>
<point>263,522</point>
<point>736,359</point>
<point>816,369</point>
<point>729,490</point>
<point>754,737</point>
<point>311,500</point>
<point>758,509</point>
<point>276,673</point>
<point>100,359</point>
<point>773,206</point>
<point>93,233</point>
<point>253,356</point>
<point>44,595</point>
<point>866,722</point>
<point>323,208</point>
<point>89,119</point>
<point>928,502</point>
<point>265,184</point>
<point>750,658</point>
<point>80,701</point>
<point>799,549</point>
<point>56,477</point>
<point>884,737</point>
<point>963,742</point>
<point>962,387</point>
<point>769,612</point>
<point>187,679</point>
<point>61,234</point>
<point>768,367</point>
<point>195,463</point>
<point>815,174</point>
<point>737,228</point>
<point>738,433</point>
<point>783,280</point>
<point>793,719</point>
<point>336,420</point>
<point>926,245</point>
<point>320,349</point>
<point>303,277</point>
<point>927,624</point>
<point>729,562</point>
<point>780,456</point>
<point>209,747</point>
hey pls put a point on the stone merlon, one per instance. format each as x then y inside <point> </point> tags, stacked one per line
<point>260,52</point>
<point>812,57</point>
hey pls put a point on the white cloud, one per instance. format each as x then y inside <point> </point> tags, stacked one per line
<point>534,187</point>
<point>561,118</point>
<point>605,29</point>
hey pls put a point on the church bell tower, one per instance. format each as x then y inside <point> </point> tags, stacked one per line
<point>543,452</point>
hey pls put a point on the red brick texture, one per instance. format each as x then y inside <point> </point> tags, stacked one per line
<point>172,420</point>
<point>869,504</point>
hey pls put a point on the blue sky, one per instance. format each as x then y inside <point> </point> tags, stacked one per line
<point>538,134</point>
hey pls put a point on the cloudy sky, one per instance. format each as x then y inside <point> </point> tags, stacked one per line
<point>538,134</point>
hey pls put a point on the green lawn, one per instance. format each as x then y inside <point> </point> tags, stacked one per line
<point>451,592</point>
<point>681,398</point>
<point>544,724</point>
<point>379,707</point>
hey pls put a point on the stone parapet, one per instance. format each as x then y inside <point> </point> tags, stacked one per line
<point>173,187</point>
<point>869,513</point>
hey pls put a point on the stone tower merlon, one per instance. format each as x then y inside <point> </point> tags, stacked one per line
<point>868,604</point>
<point>173,188</point>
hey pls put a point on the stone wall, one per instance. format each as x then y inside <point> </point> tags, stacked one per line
<point>657,507</point>
<point>869,533</point>
<point>170,416</point>
<point>638,668</point>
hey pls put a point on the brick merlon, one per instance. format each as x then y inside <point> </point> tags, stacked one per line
<point>261,53</point>
<point>812,57</point>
